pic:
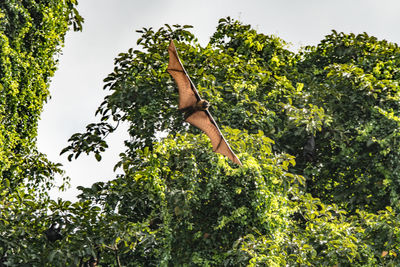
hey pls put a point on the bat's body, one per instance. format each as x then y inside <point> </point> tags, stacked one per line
<point>201,105</point>
<point>196,109</point>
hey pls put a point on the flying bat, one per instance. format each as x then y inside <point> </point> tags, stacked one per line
<point>195,108</point>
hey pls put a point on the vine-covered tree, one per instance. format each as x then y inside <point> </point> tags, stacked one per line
<point>31,36</point>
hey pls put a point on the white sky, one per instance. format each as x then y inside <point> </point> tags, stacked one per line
<point>109,29</point>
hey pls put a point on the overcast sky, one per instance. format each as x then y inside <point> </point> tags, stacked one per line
<point>109,29</point>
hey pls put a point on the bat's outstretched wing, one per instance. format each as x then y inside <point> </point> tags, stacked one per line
<point>188,95</point>
<point>205,122</point>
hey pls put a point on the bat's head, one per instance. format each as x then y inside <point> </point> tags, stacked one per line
<point>203,104</point>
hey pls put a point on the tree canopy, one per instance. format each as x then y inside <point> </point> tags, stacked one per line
<point>316,132</point>
<point>328,207</point>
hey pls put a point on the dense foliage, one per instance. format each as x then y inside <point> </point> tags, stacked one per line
<point>31,35</point>
<point>179,204</point>
<point>356,80</point>
<point>336,204</point>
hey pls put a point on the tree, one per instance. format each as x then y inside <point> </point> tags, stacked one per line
<point>31,33</point>
<point>355,79</point>
<point>178,203</point>
<point>31,36</point>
